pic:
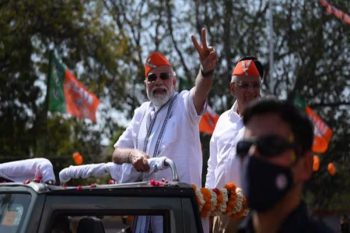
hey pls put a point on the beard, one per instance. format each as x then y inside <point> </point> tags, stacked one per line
<point>160,97</point>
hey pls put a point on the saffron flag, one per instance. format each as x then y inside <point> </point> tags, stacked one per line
<point>68,95</point>
<point>208,121</point>
<point>322,132</point>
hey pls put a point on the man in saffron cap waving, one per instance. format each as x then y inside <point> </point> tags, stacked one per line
<point>168,124</point>
<point>223,164</point>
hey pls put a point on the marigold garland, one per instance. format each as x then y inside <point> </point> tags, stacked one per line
<point>229,201</point>
<point>243,211</point>
<point>207,205</point>
<point>232,197</point>
<point>199,197</point>
<point>220,200</point>
<point>213,200</point>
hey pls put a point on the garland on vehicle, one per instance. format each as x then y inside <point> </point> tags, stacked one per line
<point>228,201</point>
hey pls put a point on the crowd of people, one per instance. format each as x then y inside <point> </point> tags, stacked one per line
<point>262,144</point>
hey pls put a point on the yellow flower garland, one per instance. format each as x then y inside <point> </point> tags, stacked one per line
<point>229,201</point>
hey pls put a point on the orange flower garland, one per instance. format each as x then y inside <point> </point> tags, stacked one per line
<point>199,197</point>
<point>220,200</point>
<point>231,204</point>
<point>207,205</point>
<point>244,210</point>
<point>229,201</point>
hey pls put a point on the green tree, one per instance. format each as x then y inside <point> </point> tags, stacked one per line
<point>84,36</point>
<point>111,39</point>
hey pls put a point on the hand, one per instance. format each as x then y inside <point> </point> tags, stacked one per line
<point>139,161</point>
<point>207,54</point>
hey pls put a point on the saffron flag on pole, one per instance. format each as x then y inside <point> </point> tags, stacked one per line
<point>68,95</point>
<point>208,121</point>
<point>322,132</point>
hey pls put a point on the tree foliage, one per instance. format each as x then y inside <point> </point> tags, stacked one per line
<point>80,35</point>
<point>105,44</point>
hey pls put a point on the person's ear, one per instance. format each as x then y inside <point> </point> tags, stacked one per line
<point>305,169</point>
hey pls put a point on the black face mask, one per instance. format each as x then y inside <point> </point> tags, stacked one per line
<point>263,183</point>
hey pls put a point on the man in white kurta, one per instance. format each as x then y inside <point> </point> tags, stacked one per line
<point>223,164</point>
<point>167,125</point>
<point>172,131</point>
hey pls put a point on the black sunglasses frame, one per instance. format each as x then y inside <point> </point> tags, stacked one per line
<point>153,77</point>
<point>244,85</point>
<point>268,146</point>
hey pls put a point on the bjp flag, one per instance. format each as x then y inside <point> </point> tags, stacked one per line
<point>322,133</point>
<point>208,121</point>
<point>68,95</point>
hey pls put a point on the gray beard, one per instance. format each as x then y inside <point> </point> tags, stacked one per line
<point>159,101</point>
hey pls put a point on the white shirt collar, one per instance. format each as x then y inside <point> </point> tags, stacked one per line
<point>233,111</point>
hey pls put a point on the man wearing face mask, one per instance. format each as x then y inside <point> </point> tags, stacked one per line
<point>223,164</point>
<point>276,161</point>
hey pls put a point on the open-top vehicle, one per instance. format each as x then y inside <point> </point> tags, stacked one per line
<point>42,207</point>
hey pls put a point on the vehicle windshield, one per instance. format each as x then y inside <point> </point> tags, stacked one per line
<point>13,207</point>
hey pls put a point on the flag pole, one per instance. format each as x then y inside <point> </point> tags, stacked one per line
<point>271,58</point>
<point>45,128</point>
<point>49,74</point>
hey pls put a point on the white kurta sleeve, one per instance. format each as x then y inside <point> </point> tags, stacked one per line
<point>190,108</point>
<point>19,171</point>
<point>83,171</point>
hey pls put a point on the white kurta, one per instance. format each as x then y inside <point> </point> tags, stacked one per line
<point>174,134</point>
<point>223,164</point>
<point>111,168</point>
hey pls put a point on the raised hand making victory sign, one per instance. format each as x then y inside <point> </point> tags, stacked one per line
<point>168,124</point>
<point>208,59</point>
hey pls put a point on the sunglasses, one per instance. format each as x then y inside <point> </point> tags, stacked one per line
<point>268,146</point>
<point>246,85</point>
<point>162,76</point>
